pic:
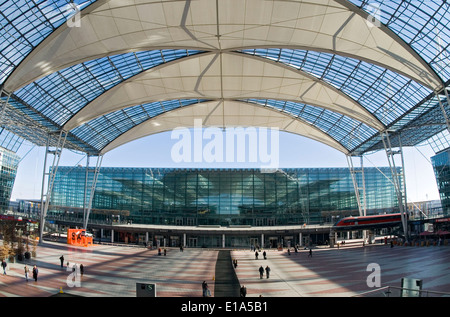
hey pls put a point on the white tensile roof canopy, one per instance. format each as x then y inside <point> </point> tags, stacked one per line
<point>336,71</point>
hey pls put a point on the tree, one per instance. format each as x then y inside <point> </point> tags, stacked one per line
<point>12,232</point>
<point>7,229</point>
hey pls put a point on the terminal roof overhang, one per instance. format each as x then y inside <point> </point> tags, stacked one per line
<point>323,69</point>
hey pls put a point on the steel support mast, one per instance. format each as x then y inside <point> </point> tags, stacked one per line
<point>398,178</point>
<point>360,187</point>
<point>92,190</point>
<point>49,177</point>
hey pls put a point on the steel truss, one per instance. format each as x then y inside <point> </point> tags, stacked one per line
<point>360,188</point>
<point>87,209</point>
<point>3,105</point>
<point>49,177</point>
<point>444,112</point>
<point>398,178</point>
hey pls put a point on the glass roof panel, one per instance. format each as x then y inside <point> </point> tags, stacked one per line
<point>347,131</point>
<point>9,140</point>
<point>24,24</point>
<point>394,99</point>
<point>423,24</point>
<point>379,90</point>
<point>102,130</point>
<point>440,141</point>
<point>62,94</point>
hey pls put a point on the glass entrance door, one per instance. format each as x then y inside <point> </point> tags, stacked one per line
<point>254,242</point>
<point>192,242</point>
<point>273,242</point>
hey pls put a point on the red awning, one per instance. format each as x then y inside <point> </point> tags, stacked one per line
<point>426,233</point>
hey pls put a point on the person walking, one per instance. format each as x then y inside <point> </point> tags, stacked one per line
<point>35,273</point>
<point>205,289</point>
<point>61,258</point>
<point>261,272</point>
<point>310,253</point>
<point>265,255</point>
<point>4,265</point>
<point>243,291</point>
<point>27,270</point>
<point>267,271</point>
<point>256,255</point>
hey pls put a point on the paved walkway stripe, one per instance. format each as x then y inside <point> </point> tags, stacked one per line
<point>226,281</point>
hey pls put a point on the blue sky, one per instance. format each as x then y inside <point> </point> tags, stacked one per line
<point>294,151</point>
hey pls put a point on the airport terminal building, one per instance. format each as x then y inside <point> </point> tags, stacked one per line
<point>441,166</point>
<point>92,76</point>
<point>9,162</point>
<point>221,199</point>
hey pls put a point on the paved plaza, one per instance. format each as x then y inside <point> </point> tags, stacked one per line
<point>343,272</point>
<point>113,271</point>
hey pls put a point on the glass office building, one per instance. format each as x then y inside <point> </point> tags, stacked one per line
<point>9,162</point>
<point>441,166</point>
<point>225,197</point>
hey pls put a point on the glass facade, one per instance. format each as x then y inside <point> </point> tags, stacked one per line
<point>9,162</point>
<point>441,166</point>
<point>225,197</point>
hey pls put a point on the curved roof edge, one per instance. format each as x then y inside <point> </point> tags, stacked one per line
<point>67,46</point>
<point>224,114</point>
<point>232,76</point>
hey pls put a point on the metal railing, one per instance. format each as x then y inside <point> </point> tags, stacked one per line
<point>393,291</point>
